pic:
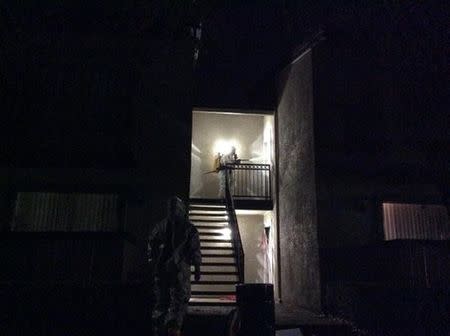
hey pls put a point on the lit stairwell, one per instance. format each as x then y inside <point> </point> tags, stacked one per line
<point>219,270</point>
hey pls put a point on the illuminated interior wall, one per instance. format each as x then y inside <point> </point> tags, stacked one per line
<point>251,228</point>
<point>259,248</point>
<point>212,132</point>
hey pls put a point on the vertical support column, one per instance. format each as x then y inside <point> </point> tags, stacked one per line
<point>299,249</point>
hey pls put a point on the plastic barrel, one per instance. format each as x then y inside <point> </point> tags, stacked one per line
<point>256,309</point>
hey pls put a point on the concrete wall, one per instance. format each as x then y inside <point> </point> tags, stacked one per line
<point>364,151</point>
<point>244,131</point>
<point>349,208</point>
<point>299,262</point>
<point>347,212</point>
<point>6,210</point>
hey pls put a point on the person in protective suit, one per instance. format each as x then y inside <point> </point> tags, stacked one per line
<point>225,160</point>
<point>173,246</point>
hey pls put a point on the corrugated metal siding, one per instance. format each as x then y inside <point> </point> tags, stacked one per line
<point>65,212</point>
<point>415,221</point>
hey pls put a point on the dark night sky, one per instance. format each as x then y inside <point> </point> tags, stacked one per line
<point>246,43</point>
<point>386,76</point>
<point>386,73</point>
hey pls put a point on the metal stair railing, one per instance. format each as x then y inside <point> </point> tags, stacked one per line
<point>236,236</point>
<point>251,181</point>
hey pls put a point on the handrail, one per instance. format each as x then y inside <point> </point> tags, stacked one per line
<point>257,166</point>
<point>251,181</point>
<point>237,242</point>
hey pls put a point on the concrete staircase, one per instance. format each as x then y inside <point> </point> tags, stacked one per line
<point>219,272</point>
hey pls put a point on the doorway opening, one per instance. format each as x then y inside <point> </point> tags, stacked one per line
<point>252,135</point>
<point>214,133</point>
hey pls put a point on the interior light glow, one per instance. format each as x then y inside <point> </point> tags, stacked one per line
<point>223,146</point>
<point>226,233</point>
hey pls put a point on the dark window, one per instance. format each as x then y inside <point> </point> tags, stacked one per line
<point>415,221</point>
<point>43,211</point>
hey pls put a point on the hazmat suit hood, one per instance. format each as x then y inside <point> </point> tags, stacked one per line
<point>176,210</point>
<point>178,223</point>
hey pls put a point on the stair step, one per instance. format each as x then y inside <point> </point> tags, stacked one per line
<point>214,293</point>
<point>212,282</point>
<point>208,204</point>
<point>209,221</point>
<point>213,215</point>
<point>210,233</point>
<point>213,226</point>
<point>217,248</point>
<point>210,213</point>
<point>207,260</point>
<point>217,269</point>
<point>216,287</point>
<point>215,244</point>
<point>207,201</point>
<point>218,255</point>
<point>207,208</point>
<point>202,211</point>
<point>212,239</point>
<point>214,235</point>
<point>219,261</point>
<point>206,227</point>
<point>204,272</point>
<point>211,301</point>
<point>218,227</point>
<point>231,278</point>
<point>209,239</point>
<point>220,230</point>
<point>212,263</point>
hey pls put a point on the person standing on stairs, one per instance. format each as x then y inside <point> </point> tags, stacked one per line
<point>225,160</point>
<point>173,246</point>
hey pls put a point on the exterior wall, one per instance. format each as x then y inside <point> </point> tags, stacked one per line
<point>350,208</point>
<point>102,121</point>
<point>299,259</point>
<point>370,151</point>
<point>6,205</point>
<point>348,211</point>
<point>368,148</point>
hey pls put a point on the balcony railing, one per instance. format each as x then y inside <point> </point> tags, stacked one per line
<point>251,181</point>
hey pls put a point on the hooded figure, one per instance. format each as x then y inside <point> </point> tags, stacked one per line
<point>173,246</point>
<point>225,160</point>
